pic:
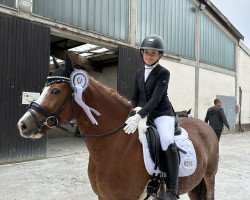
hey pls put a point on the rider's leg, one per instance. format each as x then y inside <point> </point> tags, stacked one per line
<point>166,126</point>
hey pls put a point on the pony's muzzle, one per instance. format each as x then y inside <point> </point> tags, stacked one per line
<point>22,126</point>
<point>27,126</point>
<point>24,129</point>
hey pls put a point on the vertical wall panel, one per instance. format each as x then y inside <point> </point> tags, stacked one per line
<point>24,64</point>
<point>229,105</point>
<point>216,47</point>
<point>128,63</point>
<point>173,20</point>
<point>108,17</point>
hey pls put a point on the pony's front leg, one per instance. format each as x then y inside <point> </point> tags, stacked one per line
<point>92,177</point>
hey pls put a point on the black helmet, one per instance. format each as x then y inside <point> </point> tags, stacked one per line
<point>153,42</point>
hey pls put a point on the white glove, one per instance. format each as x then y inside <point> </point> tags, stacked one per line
<point>132,124</point>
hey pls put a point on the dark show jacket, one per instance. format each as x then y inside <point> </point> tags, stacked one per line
<point>152,94</point>
<point>216,118</point>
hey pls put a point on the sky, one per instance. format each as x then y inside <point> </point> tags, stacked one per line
<point>238,13</point>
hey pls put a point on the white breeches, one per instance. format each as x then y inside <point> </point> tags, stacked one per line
<point>165,126</point>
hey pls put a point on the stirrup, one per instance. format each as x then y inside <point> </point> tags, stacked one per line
<point>169,196</point>
<point>166,194</point>
<point>162,193</point>
<point>172,195</point>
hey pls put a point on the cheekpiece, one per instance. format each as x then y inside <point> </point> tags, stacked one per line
<point>79,78</point>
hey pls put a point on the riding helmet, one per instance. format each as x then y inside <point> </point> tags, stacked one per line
<point>153,42</point>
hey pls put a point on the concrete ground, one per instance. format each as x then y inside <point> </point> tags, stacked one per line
<point>63,174</point>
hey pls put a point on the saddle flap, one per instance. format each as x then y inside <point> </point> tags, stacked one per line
<point>154,146</point>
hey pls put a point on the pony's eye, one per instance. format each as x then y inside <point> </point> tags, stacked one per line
<point>55,91</point>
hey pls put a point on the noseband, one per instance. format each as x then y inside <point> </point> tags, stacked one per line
<point>52,119</point>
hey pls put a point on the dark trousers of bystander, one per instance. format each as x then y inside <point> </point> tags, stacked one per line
<point>218,133</point>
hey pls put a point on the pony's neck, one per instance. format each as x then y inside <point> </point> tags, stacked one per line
<point>114,110</point>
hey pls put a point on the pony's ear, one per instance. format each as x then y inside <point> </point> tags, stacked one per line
<point>188,112</point>
<point>57,65</point>
<point>68,65</point>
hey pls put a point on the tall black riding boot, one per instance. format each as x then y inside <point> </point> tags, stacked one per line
<point>172,171</point>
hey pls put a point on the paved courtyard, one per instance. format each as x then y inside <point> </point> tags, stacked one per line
<point>63,174</point>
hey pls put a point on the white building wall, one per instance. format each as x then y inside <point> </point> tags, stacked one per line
<point>244,82</point>
<point>181,89</point>
<point>211,84</point>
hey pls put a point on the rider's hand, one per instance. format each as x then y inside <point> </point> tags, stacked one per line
<point>132,124</point>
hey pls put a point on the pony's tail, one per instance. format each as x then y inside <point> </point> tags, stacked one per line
<point>200,190</point>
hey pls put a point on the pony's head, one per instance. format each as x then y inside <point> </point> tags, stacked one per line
<point>184,113</point>
<point>53,107</point>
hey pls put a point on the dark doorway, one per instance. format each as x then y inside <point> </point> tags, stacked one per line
<point>24,63</point>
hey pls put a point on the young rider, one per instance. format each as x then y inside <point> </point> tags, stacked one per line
<point>150,93</point>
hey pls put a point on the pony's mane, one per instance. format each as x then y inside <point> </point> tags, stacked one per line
<point>112,93</point>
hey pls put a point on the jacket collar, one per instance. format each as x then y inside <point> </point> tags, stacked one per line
<point>153,72</point>
<point>151,67</point>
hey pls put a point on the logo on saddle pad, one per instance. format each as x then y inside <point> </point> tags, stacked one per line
<point>188,164</point>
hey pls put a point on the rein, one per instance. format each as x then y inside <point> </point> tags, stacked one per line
<point>83,135</point>
<point>131,112</point>
<point>106,133</point>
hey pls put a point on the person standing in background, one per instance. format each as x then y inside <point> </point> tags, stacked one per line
<point>216,118</point>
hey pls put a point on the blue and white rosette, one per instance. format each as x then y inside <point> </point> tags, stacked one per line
<point>79,81</point>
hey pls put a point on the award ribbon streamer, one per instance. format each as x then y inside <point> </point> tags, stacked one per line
<point>78,98</point>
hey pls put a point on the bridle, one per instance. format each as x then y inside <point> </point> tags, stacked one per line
<point>52,119</point>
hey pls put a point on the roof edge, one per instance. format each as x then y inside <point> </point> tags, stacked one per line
<point>244,47</point>
<point>223,18</point>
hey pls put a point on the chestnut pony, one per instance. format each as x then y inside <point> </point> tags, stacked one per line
<point>116,168</point>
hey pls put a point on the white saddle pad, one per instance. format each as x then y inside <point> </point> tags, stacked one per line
<point>188,162</point>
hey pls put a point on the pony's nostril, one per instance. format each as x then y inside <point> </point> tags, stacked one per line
<point>23,126</point>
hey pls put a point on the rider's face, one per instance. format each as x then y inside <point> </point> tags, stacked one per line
<point>151,56</point>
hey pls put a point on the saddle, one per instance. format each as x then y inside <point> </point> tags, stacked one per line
<point>154,145</point>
